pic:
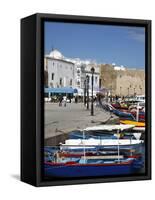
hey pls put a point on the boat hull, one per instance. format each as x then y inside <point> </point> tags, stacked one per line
<point>123,115</point>
<point>137,124</point>
<point>88,170</point>
<point>76,148</point>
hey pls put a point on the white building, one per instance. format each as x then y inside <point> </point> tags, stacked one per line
<point>70,72</point>
<point>61,73</point>
<point>118,68</point>
<point>96,76</point>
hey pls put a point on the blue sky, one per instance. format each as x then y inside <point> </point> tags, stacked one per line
<point>102,43</point>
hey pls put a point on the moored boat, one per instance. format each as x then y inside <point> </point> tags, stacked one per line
<point>115,141</point>
<point>89,157</point>
<point>131,122</point>
<point>103,142</point>
<point>107,168</point>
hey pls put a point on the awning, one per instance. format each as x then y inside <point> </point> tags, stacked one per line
<point>64,90</point>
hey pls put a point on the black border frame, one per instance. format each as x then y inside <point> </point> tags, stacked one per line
<point>32,116</point>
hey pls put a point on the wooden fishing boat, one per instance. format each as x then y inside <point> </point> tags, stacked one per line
<point>100,149</point>
<point>98,155</point>
<point>120,106</point>
<point>104,142</point>
<point>101,142</point>
<point>110,127</point>
<point>141,115</point>
<point>131,122</point>
<point>125,114</point>
<point>95,165</point>
<point>91,169</point>
<point>139,129</point>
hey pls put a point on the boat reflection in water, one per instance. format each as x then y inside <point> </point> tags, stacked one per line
<point>102,150</point>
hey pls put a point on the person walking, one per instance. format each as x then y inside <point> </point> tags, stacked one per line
<point>60,100</point>
<point>76,99</point>
<point>64,100</point>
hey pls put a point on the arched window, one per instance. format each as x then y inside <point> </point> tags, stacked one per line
<point>60,82</point>
<point>78,83</point>
<point>78,71</point>
<point>52,76</point>
<point>96,79</point>
<point>70,82</point>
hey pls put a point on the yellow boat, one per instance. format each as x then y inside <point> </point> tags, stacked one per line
<point>137,124</point>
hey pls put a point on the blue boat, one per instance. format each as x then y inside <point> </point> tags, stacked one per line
<point>123,115</point>
<point>72,170</point>
<point>107,161</point>
<point>97,135</point>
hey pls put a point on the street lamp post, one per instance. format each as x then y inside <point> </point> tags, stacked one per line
<point>100,82</point>
<point>92,99</point>
<point>85,82</point>
<point>111,94</point>
<point>87,86</point>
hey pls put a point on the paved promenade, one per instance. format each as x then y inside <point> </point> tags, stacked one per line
<point>59,120</point>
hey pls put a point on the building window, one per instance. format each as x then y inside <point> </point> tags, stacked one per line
<point>78,83</point>
<point>96,79</point>
<point>78,71</point>
<point>52,77</point>
<point>70,82</point>
<point>60,82</point>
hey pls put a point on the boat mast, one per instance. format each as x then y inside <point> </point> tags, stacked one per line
<point>130,144</point>
<point>84,152</point>
<point>118,135</point>
<point>137,116</point>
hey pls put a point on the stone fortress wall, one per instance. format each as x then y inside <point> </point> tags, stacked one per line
<point>122,82</point>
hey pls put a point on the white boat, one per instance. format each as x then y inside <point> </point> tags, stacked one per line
<point>106,142</point>
<point>101,142</point>
<point>139,129</point>
<point>109,127</point>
